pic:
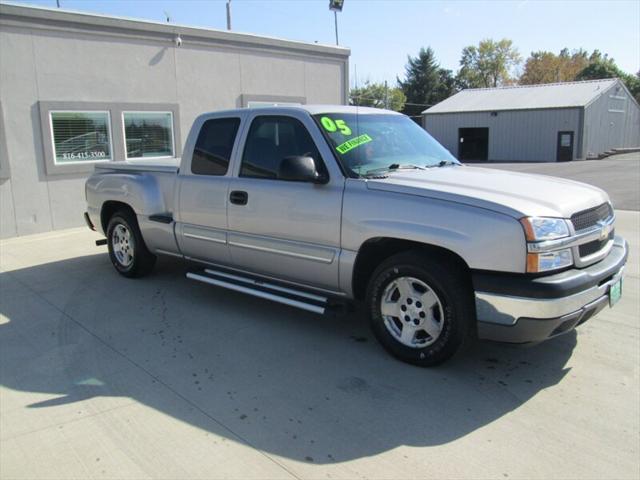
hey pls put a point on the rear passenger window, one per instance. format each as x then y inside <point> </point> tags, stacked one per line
<point>271,139</point>
<point>214,145</point>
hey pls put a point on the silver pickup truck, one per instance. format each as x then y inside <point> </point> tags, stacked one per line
<point>319,206</point>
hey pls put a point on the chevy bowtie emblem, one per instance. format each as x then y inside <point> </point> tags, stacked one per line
<point>606,230</point>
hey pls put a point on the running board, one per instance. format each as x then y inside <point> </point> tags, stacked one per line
<point>303,300</point>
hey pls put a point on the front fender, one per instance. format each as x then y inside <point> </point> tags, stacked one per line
<point>484,239</point>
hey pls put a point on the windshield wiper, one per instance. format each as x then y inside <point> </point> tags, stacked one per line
<point>444,163</point>
<point>393,167</point>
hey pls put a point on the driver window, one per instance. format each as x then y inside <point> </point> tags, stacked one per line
<point>271,139</point>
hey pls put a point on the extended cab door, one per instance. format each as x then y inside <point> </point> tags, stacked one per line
<point>201,227</point>
<point>285,229</point>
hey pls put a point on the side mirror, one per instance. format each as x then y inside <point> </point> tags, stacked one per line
<point>300,169</point>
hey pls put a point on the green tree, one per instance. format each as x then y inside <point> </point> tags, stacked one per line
<point>600,69</point>
<point>425,83</point>
<point>489,64</point>
<point>378,95</point>
<point>447,85</point>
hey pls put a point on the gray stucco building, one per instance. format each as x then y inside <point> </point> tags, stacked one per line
<point>552,122</point>
<point>76,89</point>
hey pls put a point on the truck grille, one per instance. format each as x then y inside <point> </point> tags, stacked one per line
<point>591,217</point>
<point>595,246</point>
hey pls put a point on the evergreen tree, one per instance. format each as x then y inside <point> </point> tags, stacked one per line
<point>425,83</point>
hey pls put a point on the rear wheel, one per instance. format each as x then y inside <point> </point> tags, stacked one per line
<point>127,249</point>
<point>420,308</point>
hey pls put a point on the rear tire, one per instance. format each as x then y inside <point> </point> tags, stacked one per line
<point>420,308</point>
<point>127,250</point>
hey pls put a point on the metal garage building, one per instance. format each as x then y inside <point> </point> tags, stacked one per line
<point>76,89</point>
<point>552,122</point>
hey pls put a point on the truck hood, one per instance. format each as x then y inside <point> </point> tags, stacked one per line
<point>511,193</point>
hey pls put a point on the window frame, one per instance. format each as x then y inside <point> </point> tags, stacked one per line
<point>234,145</point>
<point>321,167</point>
<point>173,135</point>
<point>115,109</point>
<point>80,162</point>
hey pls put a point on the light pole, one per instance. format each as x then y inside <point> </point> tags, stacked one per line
<point>336,6</point>
<point>228,14</point>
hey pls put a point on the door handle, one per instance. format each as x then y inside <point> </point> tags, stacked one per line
<point>238,197</point>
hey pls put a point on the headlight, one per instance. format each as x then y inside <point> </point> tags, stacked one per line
<point>542,262</point>
<point>541,228</point>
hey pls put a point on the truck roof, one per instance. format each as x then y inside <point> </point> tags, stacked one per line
<point>316,109</point>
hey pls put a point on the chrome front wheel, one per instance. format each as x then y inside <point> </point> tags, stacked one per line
<point>412,312</point>
<point>421,306</point>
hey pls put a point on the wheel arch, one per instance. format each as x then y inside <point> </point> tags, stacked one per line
<point>109,208</point>
<point>376,250</point>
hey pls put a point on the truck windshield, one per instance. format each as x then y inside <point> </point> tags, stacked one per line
<point>372,144</point>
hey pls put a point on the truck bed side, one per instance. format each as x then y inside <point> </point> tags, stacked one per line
<point>148,189</point>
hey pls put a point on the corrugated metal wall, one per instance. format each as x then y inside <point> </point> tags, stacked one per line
<point>611,121</point>
<point>524,135</point>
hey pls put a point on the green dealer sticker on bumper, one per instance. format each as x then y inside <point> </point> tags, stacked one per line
<point>353,143</point>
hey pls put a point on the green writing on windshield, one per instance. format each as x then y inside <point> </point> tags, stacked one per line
<point>331,126</point>
<point>353,143</point>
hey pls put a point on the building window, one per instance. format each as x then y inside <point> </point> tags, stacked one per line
<point>77,135</point>
<point>80,136</point>
<point>214,146</point>
<point>148,134</point>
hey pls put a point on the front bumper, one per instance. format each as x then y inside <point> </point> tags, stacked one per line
<point>522,309</point>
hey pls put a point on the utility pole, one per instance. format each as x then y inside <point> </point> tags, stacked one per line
<point>228,14</point>
<point>58,3</point>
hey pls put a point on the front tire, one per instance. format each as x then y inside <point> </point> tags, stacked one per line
<point>420,308</point>
<point>127,249</point>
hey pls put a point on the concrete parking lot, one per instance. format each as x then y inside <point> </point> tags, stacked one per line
<point>618,175</point>
<point>105,377</point>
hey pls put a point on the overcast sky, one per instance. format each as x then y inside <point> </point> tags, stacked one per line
<point>381,33</point>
